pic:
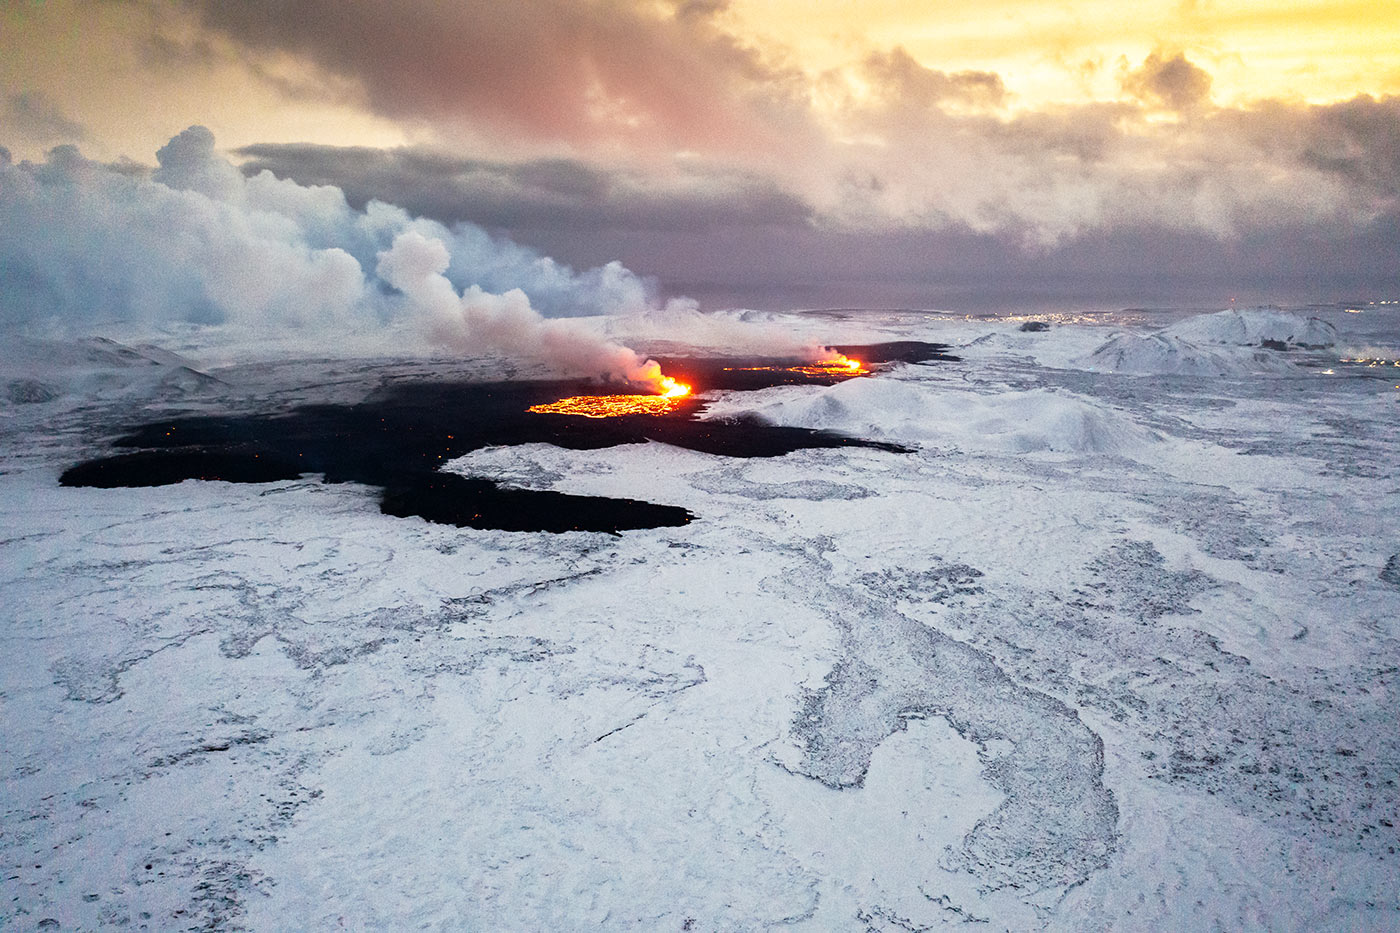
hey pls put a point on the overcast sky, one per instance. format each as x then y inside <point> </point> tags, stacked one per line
<point>785,153</point>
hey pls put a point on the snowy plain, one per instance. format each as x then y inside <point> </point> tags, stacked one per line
<point>1114,646</point>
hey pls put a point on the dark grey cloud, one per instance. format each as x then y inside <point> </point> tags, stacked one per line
<point>744,250</point>
<point>1359,140</point>
<point>958,269</point>
<point>32,115</point>
<point>538,194</point>
<point>1169,81</point>
<point>1085,135</point>
<point>165,51</point>
<point>582,71</point>
<point>900,79</point>
<point>1356,142</point>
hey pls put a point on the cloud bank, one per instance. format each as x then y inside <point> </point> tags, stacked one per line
<point>661,90</point>
<point>655,75</point>
<point>715,165</point>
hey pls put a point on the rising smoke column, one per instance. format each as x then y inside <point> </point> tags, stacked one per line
<point>84,244</point>
<point>477,320</point>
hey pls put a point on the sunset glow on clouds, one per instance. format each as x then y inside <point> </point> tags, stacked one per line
<point>777,152</point>
<point>1316,52</point>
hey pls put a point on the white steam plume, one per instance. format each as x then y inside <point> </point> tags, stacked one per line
<point>83,245</point>
<point>477,320</point>
<point>736,332</point>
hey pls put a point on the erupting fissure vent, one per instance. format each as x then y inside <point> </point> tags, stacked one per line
<point>840,366</point>
<point>611,406</point>
<point>670,394</point>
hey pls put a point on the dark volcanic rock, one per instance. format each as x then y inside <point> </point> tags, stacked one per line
<point>449,499</point>
<point>29,392</point>
<point>397,439</point>
<point>898,351</point>
<point>1390,573</point>
<point>233,463</point>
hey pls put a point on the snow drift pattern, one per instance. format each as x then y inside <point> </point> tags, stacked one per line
<point>1010,422</point>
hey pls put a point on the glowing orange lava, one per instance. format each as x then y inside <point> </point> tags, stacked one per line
<point>1370,361</point>
<point>612,406</point>
<point>670,388</point>
<point>840,366</point>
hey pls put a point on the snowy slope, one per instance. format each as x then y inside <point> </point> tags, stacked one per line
<point>1227,343</point>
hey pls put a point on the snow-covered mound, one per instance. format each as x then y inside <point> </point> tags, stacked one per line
<point>34,372</point>
<point>1227,343</point>
<point>1162,354</point>
<point>908,412</point>
<point>1060,347</point>
<point>1256,327</point>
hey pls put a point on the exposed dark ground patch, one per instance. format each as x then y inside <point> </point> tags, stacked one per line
<point>1390,573</point>
<point>397,438</point>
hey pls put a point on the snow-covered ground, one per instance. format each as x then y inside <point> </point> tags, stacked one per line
<point>1117,646</point>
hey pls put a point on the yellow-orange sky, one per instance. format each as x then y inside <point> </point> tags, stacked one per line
<point>87,61</point>
<point>1318,51</point>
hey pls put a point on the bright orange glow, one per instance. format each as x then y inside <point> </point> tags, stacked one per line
<point>667,400</point>
<point>839,366</point>
<point>1065,52</point>
<point>670,388</point>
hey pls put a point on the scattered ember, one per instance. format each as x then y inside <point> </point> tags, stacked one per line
<point>612,406</point>
<point>840,366</point>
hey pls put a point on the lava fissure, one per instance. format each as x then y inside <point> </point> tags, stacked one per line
<point>670,397</point>
<point>398,438</point>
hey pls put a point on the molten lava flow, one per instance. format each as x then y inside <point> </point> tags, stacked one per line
<point>841,365</point>
<point>668,398</point>
<point>670,388</point>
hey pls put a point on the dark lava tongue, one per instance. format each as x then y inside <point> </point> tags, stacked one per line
<point>397,439</point>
